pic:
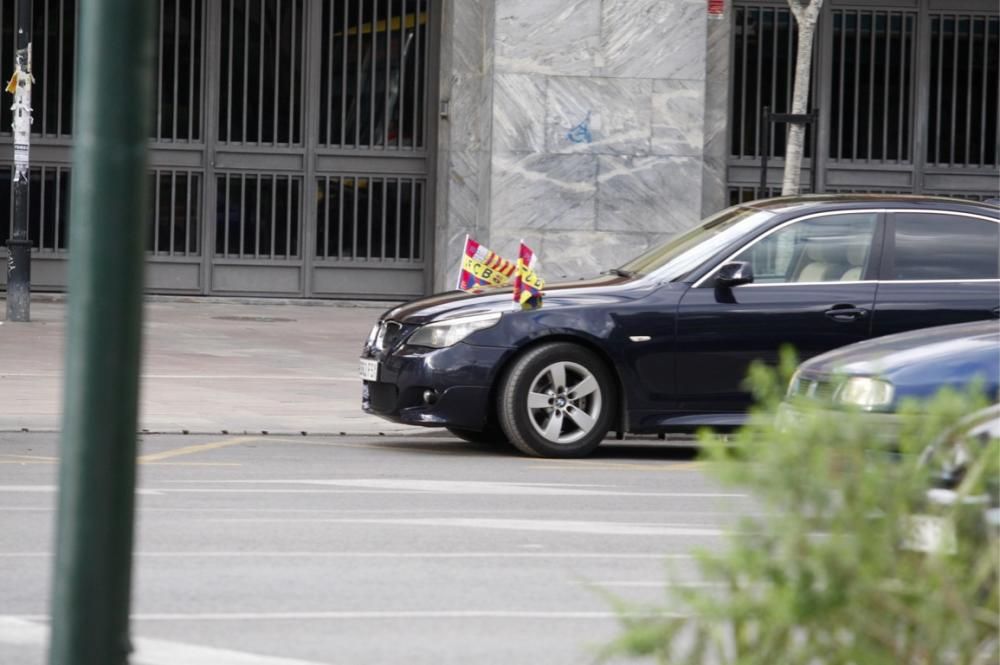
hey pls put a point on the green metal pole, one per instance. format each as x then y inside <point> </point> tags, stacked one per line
<point>93,564</point>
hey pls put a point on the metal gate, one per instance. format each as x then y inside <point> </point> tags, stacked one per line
<point>290,152</point>
<point>906,93</point>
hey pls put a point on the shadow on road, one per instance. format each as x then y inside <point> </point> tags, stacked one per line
<point>667,451</point>
<point>643,449</point>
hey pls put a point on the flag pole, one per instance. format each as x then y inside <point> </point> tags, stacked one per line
<point>458,286</point>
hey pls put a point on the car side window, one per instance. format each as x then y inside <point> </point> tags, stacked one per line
<point>831,248</point>
<point>942,246</point>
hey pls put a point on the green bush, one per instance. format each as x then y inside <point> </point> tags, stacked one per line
<point>822,575</point>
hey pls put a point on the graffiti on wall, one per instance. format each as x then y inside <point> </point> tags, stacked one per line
<point>581,132</point>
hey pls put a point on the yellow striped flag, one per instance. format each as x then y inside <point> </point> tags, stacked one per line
<point>482,267</point>
<point>527,284</point>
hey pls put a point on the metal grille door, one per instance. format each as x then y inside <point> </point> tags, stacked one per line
<point>374,57</point>
<point>174,239</point>
<point>373,161</point>
<point>962,110</point>
<point>261,49</point>
<point>906,92</point>
<point>872,82</point>
<point>763,74</point>
<point>260,154</point>
<point>289,150</point>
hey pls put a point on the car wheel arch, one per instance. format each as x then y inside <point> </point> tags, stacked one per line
<point>620,419</point>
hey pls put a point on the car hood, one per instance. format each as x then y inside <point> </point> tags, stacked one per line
<point>930,346</point>
<point>604,289</point>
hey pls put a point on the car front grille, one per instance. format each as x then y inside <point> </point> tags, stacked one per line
<point>386,336</point>
<point>819,389</point>
<point>389,334</point>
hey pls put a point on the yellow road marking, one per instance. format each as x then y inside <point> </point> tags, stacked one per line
<point>372,446</point>
<point>193,464</point>
<point>192,450</point>
<point>35,458</point>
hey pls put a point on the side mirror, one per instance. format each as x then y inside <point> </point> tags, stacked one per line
<point>734,274</point>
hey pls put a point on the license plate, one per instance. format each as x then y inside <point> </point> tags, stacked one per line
<point>929,533</point>
<point>369,369</point>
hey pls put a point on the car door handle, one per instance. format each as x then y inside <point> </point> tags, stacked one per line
<point>996,312</point>
<point>846,313</point>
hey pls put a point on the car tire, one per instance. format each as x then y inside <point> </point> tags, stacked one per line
<point>492,435</point>
<point>557,400</point>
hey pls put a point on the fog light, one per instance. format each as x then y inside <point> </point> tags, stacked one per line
<point>430,397</point>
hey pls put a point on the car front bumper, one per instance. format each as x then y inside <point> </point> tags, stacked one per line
<point>885,427</point>
<point>449,387</point>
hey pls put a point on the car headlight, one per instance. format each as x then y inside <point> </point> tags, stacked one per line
<point>440,334</point>
<point>866,393</point>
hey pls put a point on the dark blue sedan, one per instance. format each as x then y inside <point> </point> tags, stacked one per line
<point>878,375</point>
<point>664,342</point>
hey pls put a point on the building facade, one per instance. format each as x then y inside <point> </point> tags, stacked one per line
<point>344,148</point>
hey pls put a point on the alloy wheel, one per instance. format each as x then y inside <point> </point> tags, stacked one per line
<point>564,402</point>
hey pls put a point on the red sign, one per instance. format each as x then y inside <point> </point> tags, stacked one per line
<point>716,8</point>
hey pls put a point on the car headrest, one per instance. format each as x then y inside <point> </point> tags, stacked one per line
<point>848,250</point>
<point>827,251</point>
<point>857,252</point>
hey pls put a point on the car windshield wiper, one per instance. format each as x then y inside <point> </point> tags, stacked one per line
<point>620,272</point>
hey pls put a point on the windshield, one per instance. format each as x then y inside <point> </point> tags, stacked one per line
<point>682,254</point>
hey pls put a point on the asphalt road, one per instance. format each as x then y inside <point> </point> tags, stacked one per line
<point>263,550</point>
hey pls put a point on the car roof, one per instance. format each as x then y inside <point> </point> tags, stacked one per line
<point>822,202</point>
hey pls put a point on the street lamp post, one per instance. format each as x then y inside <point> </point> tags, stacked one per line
<point>18,245</point>
<point>93,555</point>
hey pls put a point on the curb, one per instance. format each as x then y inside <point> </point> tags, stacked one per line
<point>238,432</point>
<point>256,301</point>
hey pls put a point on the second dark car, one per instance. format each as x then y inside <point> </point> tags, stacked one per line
<point>879,375</point>
<point>664,342</point>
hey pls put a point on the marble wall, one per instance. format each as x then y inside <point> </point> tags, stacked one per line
<point>464,135</point>
<point>589,128</point>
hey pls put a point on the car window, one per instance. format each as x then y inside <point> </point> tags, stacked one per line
<point>831,248</point>
<point>942,246</point>
<point>680,255</point>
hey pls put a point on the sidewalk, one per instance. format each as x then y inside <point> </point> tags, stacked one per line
<point>210,367</point>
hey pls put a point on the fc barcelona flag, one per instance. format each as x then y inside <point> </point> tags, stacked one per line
<point>527,284</point>
<point>481,267</point>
